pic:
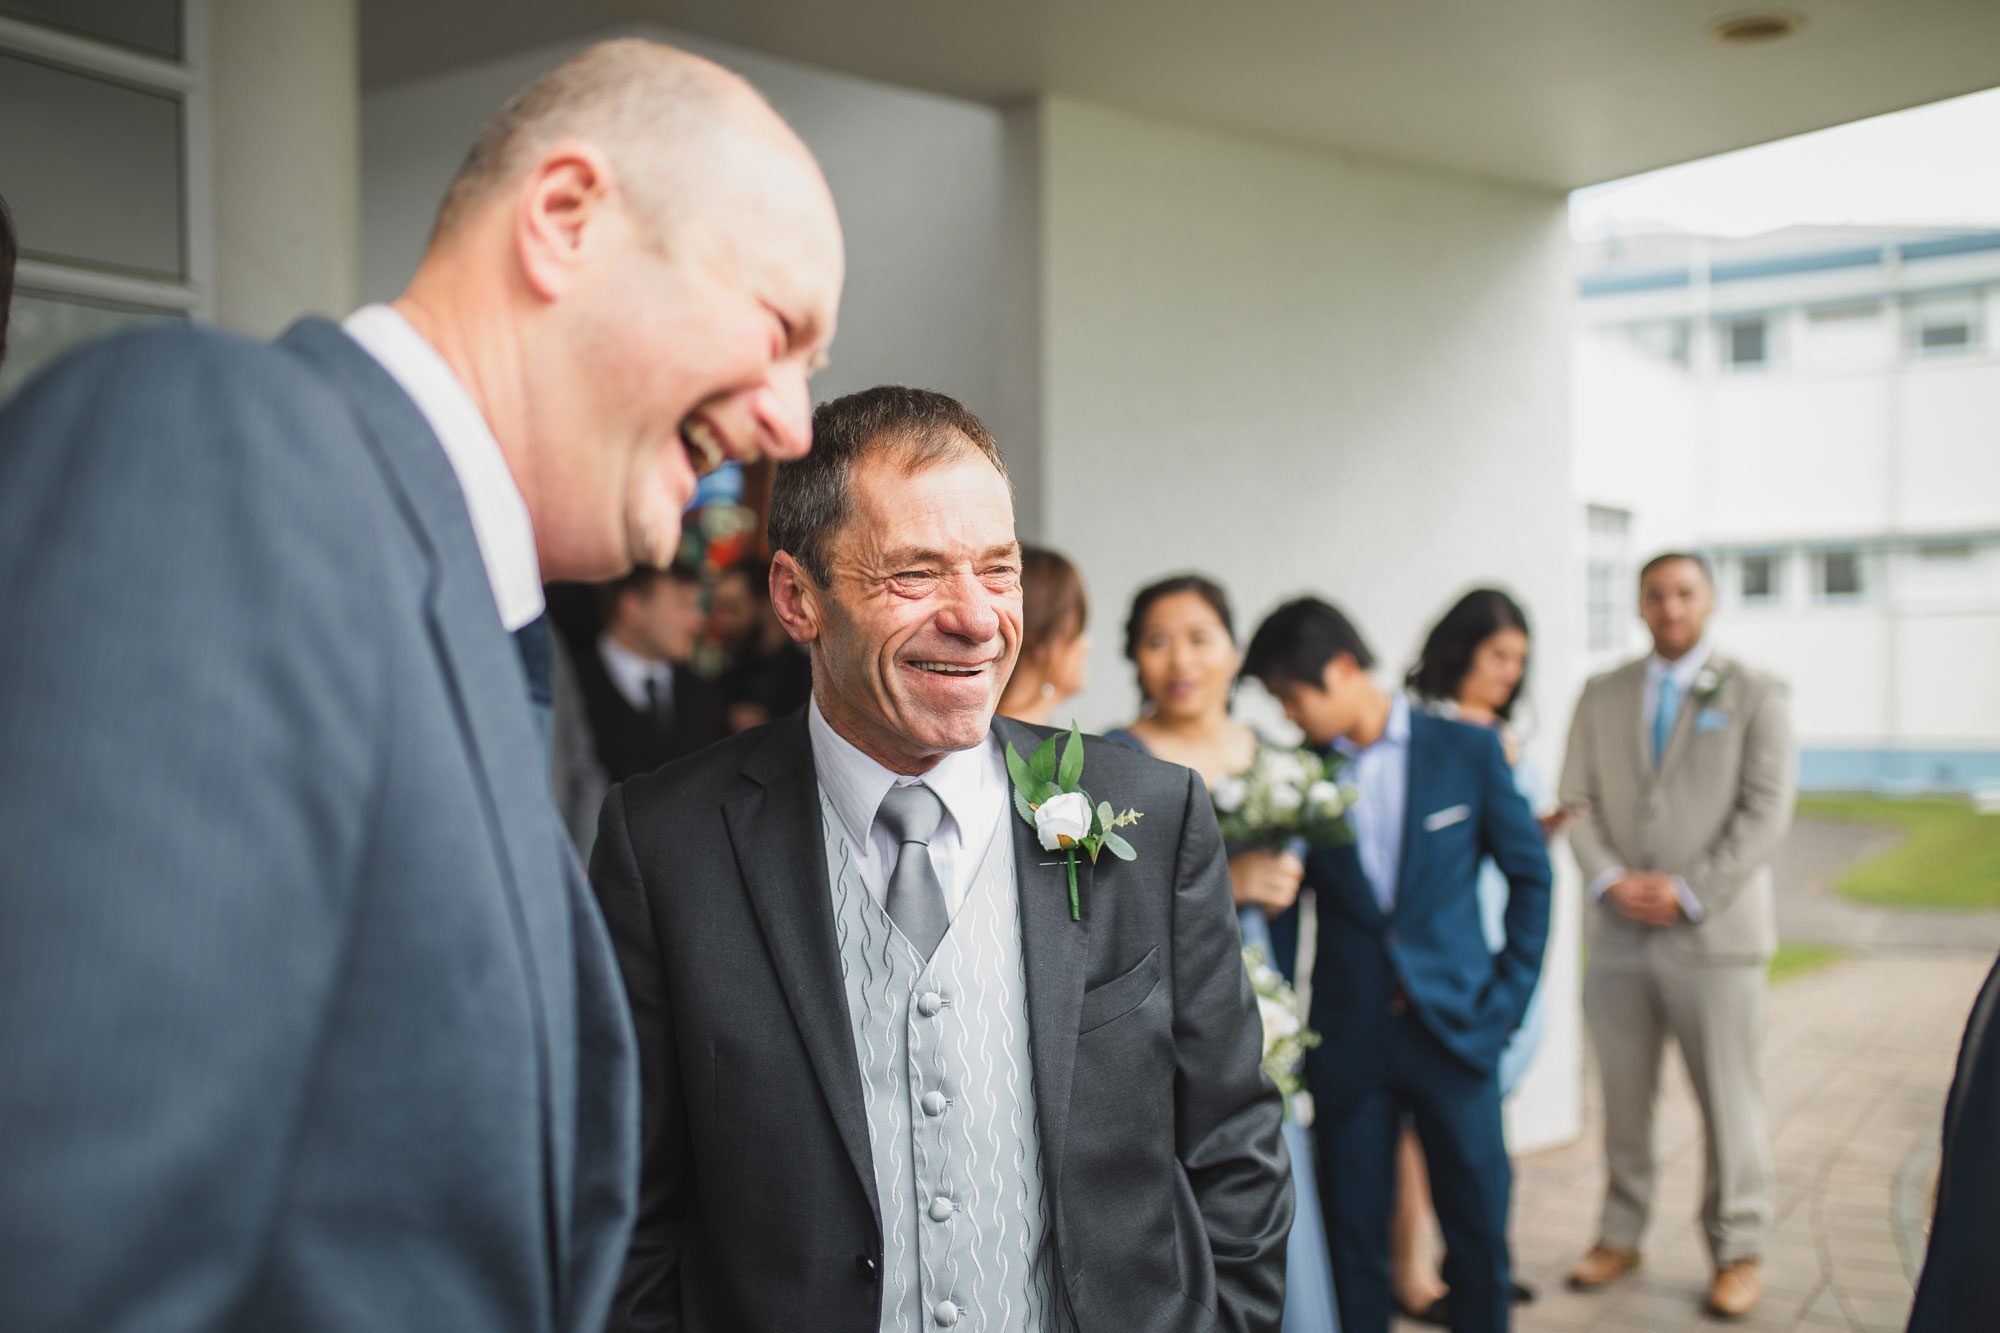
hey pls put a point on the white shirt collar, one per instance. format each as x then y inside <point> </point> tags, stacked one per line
<point>964,780</point>
<point>629,672</point>
<point>1396,731</point>
<point>500,519</point>
<point>1683,672</point>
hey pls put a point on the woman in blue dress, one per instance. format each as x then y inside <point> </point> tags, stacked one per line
<point>1182,642</point>
<point>1473,669</point>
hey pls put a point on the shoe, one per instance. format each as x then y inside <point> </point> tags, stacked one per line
<point>1736,1290</point>
<point>1437,1314</point>
<point>1524,1294</point>
<point>1603,1264</point>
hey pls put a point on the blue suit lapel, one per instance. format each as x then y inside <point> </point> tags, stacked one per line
<point>482,668</point>
<point>1416,790</point>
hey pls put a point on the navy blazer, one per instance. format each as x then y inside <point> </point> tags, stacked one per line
<point>307,1019</point>
<point>1462,807</point>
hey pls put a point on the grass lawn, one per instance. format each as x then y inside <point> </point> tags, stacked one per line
<point>1795,960</point>
<point>1949,859</point>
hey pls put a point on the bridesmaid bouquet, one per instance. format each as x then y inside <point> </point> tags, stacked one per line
<point>1286,1036</point>
<point>1285,799</point>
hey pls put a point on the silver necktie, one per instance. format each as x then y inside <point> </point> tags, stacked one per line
<point>916,898</point>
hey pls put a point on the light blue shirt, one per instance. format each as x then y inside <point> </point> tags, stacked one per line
<point>1380,776</point>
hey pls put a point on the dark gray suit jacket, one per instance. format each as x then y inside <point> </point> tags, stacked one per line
<point>1171,1191</point>
<point>1961,1282</point>
<point>307,1021</point>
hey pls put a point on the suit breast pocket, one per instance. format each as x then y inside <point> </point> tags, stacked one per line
<point>1120,995</point>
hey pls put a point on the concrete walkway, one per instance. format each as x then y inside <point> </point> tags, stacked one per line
<point>1808,909</point>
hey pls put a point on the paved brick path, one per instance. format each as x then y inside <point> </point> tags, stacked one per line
<point>1859,1060</point>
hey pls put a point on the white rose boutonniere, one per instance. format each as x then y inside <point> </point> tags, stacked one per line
<point>1049,794</point>
<point>1708,683</point>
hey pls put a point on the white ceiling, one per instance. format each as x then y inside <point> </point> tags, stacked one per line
<point>1553,93</point>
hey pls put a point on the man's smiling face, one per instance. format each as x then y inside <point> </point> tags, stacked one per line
<point>921,623</point>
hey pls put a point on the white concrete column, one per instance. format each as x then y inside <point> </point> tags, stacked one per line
<point>285,109</point>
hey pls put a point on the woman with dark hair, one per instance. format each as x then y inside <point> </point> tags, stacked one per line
<point>1474,669</point>
<point>1055,637</point>
<point>1181,639</point>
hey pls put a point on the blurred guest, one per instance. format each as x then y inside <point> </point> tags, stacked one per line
<point>1412,1006</point>
<point>1182,639</point>
<point>9,252</point>
<point>1473,668</point>
<point>1681,770</point>
<point>1055,644</point>
<point>1960,1287</point>
<point>769,675</point>
<point>646,708</point>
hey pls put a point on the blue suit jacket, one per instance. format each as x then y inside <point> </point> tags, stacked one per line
<point>1462,806</point>
<point>307,1019</point>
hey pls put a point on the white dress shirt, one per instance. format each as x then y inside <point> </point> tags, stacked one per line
<point>971,783</point>
<point>500,520</point>
<point>629,673</point>
<point>1683,673</point>
<point>1380,775</point>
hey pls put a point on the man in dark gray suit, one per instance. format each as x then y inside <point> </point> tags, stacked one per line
<point>307,1020</point>
<point>890,1080</point>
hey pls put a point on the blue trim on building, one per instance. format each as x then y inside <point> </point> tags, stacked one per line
<point>1898,771</point>
<point>1613,283</point>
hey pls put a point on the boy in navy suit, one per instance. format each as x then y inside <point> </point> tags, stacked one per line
<point>1412,1007</point>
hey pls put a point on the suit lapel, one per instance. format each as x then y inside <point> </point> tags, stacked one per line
<point>488,691</point>
<point>1423,733</point>
<point>780,847</point>
<point>1054,951</point>
<point>1679,738</point>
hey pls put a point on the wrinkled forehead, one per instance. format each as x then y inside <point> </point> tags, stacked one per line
<point>943,498</point>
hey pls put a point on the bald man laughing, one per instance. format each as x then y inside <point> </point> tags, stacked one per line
<point>307,1020</point>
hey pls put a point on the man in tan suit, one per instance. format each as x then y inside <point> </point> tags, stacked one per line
<point>1681,771</point>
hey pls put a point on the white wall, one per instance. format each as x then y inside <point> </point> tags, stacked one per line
<point>939,253</point>
<point>1305,373</point>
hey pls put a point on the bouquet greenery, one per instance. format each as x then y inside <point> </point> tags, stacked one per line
<point>1285,799</point>
<point>1286,1036</point>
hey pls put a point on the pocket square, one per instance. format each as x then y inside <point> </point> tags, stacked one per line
<point>1446,817</point>
<point>1711,719</point>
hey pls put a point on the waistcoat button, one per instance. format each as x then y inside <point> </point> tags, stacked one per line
<point>947,1313</point>
<point>933,1103</point>
<point>940,1209</point>
<point>929,1003</point>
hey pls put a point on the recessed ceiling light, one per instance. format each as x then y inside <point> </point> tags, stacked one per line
<point>1755,29</point>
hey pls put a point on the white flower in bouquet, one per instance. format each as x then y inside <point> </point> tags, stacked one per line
<point>1229,794</point>
<point>1065,816</point>
<point>1286,1036</point>
<point>1325,799</point>
<point>1280,1020</point>
<point>1286,798</point>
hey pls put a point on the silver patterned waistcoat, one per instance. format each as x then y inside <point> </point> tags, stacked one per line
<point>948,1085</point>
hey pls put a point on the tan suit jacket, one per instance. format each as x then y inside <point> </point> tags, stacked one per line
<point>1713,812</point>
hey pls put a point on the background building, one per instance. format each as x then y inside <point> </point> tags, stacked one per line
<point>1819,410</point>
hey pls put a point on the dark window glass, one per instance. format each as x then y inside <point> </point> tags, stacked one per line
<point>92,169</point>
<point>152,26</point>
<point>1760,581</point>
<point>1747,342</point>
<point>1944,337</point>
<point>1840,574</point>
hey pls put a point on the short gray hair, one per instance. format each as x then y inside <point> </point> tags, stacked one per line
<point>812,498</point>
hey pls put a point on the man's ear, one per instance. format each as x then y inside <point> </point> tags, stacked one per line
<point>795,598</point>
<point>564,201</point>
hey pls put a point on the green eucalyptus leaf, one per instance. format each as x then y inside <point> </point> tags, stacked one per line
<point>1120,848</point>
<point>1017,769</point>
<point>1043,763</point>
<point>1106,817</point>
<point>1072,760</point>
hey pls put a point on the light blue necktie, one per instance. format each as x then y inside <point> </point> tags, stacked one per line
<point>1664,717</point>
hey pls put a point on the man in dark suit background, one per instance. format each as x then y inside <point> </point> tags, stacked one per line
<point>890,1082</point>
<point>1960,1288</point>
<point>1412,1008</point>
<point>307,1020</point>
<point>646,706</point>
<point>768,674</point>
